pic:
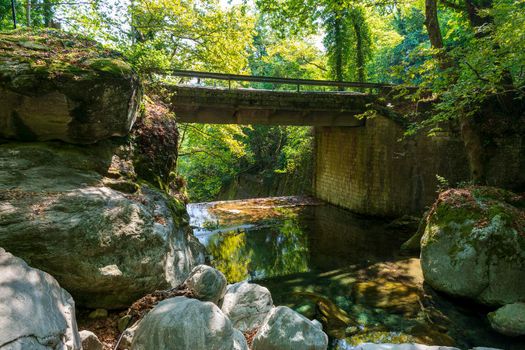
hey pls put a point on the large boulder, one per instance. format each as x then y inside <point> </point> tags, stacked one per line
<point>35,312</point>
<point>189,323</point>
<point>474,245</point>
<point>206,283</point>
<point>285,329</point>
<point>55,86</point>
<point>107,241</point>
<point>246,305</point>
<point>509,319</point>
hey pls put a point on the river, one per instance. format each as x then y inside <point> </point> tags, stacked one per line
<point>343,269</point>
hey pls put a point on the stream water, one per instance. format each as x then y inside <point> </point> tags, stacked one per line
<point>342,269</point>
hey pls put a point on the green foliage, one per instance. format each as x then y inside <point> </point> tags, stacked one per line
<point>154,140</point>
<point>483,66</point>
<point>41,13</point>
<point>190,34</point>
<point>347,36</point>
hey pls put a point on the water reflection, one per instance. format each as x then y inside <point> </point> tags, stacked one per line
<point>274,248</point>
<point>342,269</point>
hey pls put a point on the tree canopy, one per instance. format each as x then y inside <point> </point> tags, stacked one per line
<point>469,54</point>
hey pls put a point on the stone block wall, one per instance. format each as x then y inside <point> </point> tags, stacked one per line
<point>374,170</point>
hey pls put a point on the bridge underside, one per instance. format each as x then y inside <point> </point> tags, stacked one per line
<point>245,106</point>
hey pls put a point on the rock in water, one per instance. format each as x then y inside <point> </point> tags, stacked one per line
<point>285,329</point>
<point>184,324</point>
<point>106,247</point>
<point>246,305</point>
<point>35,312</point>
<point>90,341</point>
<point>82,93</point>
<point>207,283</point>
<point>474,245</point>
<point>509,319</point>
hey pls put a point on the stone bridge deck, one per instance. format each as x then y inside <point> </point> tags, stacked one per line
<point>194,104</point>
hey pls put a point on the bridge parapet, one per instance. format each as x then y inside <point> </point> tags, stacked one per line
<point>194,104</point>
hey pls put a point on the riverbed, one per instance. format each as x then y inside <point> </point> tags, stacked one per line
<point>343,269</point>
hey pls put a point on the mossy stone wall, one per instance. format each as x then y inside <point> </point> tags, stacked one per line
<point>374,170</point>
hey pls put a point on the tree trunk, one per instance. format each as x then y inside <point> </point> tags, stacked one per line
<point>28,12</point>
<point>47,13</point>
<point>432,24</point>
<point>360,55</point>
<point>338,49</point>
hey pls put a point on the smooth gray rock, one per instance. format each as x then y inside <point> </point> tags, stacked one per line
<point>509,319</point>
<point>318,324</point>
<point>106,247</point>
<point>127,336</point>
<point>35,312</point>
<point>472,248</point>
<point>285,329</point>
<point>246,305</point>
<point>189,323</point>
<point>207,283</point>
<point>239,341</point>
<point>90,341</point>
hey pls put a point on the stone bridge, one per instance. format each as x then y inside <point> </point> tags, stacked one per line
<point>365,165</point>
<point>246,106</point>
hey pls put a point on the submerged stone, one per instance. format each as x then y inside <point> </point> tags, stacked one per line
<point>509,319</point>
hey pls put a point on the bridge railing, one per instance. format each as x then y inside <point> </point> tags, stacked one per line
<point>229,78</point>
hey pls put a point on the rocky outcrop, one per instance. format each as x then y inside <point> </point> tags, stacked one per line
<point>509,319</point>
<point>474,245</point>
<point>206,283</point>
<point>189,323</point>
<point>285,329</point>
<point>35,312</point>
<point>90,341</point>
<point>107,241</point>
<point>246,305</point>
<point>54,86</point>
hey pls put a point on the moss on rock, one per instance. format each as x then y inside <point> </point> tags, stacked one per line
<point>58,86</point>
<point>474,245</point>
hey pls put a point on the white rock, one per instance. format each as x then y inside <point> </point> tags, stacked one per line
<point>127,336</point>
<point>239,341</point>
<point>285,329</point>
<point>90,341</point>
<point>189,323</point>
<point>207,283</point>
<point>246,305</point>
<point>35,312</point>
<point>317,324</point>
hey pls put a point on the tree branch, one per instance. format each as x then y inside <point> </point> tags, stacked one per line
<point>477,73</point>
